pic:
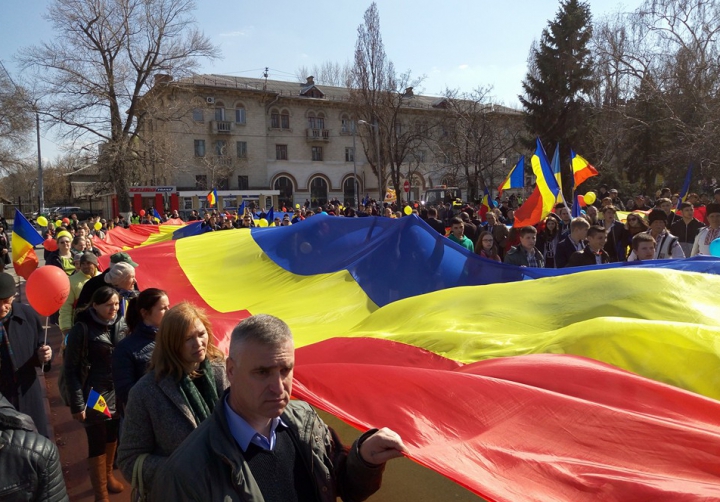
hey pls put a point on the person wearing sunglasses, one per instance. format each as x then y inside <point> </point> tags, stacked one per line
<point>63,256</point>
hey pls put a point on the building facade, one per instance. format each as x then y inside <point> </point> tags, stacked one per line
<point>283,142</point>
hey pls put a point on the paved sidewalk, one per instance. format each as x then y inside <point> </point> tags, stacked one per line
<point>69,434</point>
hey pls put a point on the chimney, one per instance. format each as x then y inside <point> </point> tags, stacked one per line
<point>310,80</point>
<point>408,92</point>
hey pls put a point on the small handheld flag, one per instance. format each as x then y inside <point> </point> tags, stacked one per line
<point>157,215</point>
<point>686,187</point>
<point>516,178</point>
<point>24,239</point>
<point>582,169</point>
<point>96,402</point>
<point>212,197</point>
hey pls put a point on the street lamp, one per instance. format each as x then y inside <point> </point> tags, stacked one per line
<point>377,155</point>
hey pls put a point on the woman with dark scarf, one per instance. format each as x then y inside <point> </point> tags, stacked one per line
<point>88,366</point>
<point>548,239</point>
<point>132,355</point>
<point>181,389</point>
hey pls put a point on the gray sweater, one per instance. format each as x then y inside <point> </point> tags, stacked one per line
<point>157,421</point>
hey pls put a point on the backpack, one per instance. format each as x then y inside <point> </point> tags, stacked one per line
<point>62,380</point>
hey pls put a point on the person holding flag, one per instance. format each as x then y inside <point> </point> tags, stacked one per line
<point>91,393</point>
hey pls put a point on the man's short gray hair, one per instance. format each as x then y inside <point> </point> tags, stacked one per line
<point>263,329</point>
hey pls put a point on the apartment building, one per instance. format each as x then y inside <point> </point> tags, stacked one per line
<point>281,143</point>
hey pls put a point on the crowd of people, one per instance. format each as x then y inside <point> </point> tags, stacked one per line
<point>142,376</point>
<point>159,375</point>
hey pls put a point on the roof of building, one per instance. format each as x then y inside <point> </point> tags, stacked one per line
<point>301,90</point>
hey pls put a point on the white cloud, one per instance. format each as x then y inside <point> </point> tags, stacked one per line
<point>234,34</point>
<point>464,66</point>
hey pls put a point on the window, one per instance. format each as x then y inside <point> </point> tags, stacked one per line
<point>275,120</point>
<point>320,121</point>
<point>198,115</point>
<point>347,126</point>
<point>240,114</point>
<point>311,121</point>
<point>420,155</point>
<point>318,192</point>
<point>281,152</point>
<point>222,184</point>
<point>199,148</point>
<point>243,183</point>
<point>187,202</point>
<point>221,147</point>
<point>285,119</point>
<point>349,154</point>
<point>280,120</point>
<point>242,149</point>
<point>349,192</point>
<point>219,112</point>
<point>201,182</point>
<point>317,153</point>
<point>285,186</point>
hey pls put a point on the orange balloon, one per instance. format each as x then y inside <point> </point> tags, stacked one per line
<point>581,201</point>
<point>50,244</point>
<point>46,289</point>
<point>142,212</point>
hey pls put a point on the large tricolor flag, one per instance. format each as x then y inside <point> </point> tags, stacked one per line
<point>516,177</point>
<point>542,201</point>
<point>683,195</point>
<point>582,170</point>
<point>494,375</point>
<point>24,239</point>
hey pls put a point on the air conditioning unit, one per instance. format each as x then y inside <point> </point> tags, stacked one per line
<point>210,100</point>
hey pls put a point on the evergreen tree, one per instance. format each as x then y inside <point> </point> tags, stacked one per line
<point>559,81</point>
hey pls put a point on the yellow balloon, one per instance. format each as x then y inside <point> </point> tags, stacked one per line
<point>97,225</point>
<point>590,198</point>
<point>407,210</point>
<point>297,206</point>
<point>58,223</point>
<point>42,221</point>
<point>262,222</point>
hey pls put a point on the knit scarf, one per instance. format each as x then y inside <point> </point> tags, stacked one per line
<point>200,393</point>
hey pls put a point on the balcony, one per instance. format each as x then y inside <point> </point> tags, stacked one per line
<point>313,135</point>
<point>222,160</point>
<point>220,126</point>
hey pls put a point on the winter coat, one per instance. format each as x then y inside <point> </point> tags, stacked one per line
<point>130,361</point>
<point>25,333</point>
<point>518,256</point>
<point>157,420</point>
<point>336,471</point>
<point>29,463</point>
<point>101,342</point>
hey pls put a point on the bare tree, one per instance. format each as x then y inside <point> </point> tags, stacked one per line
<point>100,64</point>
<point>475,136</point>
<point>15,122</point>
<point>327,73</point>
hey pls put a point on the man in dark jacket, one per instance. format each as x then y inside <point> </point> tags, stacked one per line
<point>526,254</point>
<point>259,445</point>
<point>573,242</point>
<point>22,351</point>
<point>593,254</point>
<point>433,221</point>
<point>686,228</point>
<point>29,463</point>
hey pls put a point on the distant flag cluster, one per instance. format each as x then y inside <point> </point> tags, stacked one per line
<point>24,239</point>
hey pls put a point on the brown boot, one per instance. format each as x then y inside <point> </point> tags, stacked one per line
<point>113,485</point>
<point>98,478</point>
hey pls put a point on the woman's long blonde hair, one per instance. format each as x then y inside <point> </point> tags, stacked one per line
<point>167,355</point>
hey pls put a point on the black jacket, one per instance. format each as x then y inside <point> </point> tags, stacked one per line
<point>130,361</point>
<point>101,342</point>
<point>686,233</point>
<point>29,463</point>
<point>564,251</point>
<point>618,240</point>
<point>26,394</point>
<point>436,225</point>
<point>586,258</point>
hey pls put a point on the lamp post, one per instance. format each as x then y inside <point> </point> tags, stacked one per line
<point>377,155</point>
<point>356,195</point>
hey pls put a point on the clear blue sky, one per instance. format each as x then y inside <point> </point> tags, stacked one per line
<point>457,43</point>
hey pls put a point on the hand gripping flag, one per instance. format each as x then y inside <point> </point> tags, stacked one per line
<point>24,239</point>
<point>542,201</point>
<point>96,402</point>
<point>516,178</point>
